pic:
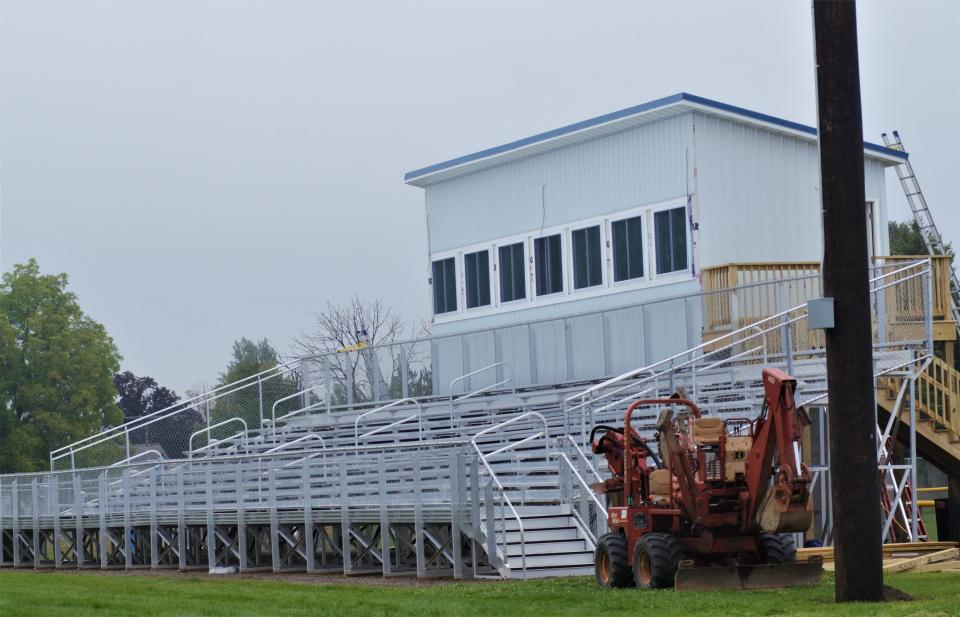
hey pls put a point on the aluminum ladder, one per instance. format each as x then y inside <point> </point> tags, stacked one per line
<point>922,216</point>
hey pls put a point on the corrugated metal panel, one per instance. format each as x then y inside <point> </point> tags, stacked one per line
<point>565,309</point>
<point>758,194</point>
<point>641,166</point>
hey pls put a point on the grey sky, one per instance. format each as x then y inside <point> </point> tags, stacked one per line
<point>209,170</point>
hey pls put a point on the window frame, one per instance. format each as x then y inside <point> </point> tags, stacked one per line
<point>602,239</point>
<point>456,277</point>
<point>564,290</point>
<point>652,244</point>
<point>497,267</point>
<point>490,271</point>
<point>528,240</point>
<point>645,242</point>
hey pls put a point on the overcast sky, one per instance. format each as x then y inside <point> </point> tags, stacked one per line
<point>208,170</point>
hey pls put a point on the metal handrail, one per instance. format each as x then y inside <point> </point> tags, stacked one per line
<point>205,396</point>
<point>493,476</point>
<point>589,491</point>
<point>581,455</point>
<point>137,456</point>
<point>124,429</point>
<point>513,510</point>
<point>287,416</point>
<point>753,326</point>
<point>480,390</point>
<point>478,371</point>
<point>287,444</point>
<point>418,416</point>
<point>273,408</point>
<point>207,430</point>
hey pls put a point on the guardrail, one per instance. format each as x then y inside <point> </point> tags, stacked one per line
<point>753,341</point>
<point>123,431</point>
<point>213,442</point>
<point>467,376</point>
<point>273,408</point>
<point>495,546</point>
<point>299,440</point>
<point>417,416</point>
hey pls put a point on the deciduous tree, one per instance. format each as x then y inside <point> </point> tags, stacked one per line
<point>56,369</point>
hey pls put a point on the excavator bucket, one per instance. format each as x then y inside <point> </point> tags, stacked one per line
<point>762,576</point>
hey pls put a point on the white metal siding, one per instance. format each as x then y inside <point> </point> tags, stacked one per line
<point>640,166</point>
<point>758,194</point>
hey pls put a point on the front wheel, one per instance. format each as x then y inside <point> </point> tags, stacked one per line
<point>655,560</point>
<point>777,548</point>
<point>610,562</point>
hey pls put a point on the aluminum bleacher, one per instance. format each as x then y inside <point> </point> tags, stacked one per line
<point>491,482</point>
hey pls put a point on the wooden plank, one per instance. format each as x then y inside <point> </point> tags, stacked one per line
<point>942,566</point>
<point>889,550</point>
<point>907,564</point>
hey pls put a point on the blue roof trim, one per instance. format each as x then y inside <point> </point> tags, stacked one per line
<point>631,111</point>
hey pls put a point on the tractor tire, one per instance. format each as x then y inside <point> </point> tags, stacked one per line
<point>655,560</point>
<point>778,548</point>
<point>610,562</point>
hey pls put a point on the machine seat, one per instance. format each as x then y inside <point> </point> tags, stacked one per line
<point>661,485</point>
<point>707,431</point>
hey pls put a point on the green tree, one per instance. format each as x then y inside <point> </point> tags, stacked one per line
<point>246,401</point>
<point>906,239</point>
<point>56,369</point>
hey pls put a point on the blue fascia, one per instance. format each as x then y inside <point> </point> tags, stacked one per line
<point>631,111</point>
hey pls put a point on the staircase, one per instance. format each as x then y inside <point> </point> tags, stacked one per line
<point>937,408</point>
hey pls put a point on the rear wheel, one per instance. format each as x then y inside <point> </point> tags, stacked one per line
<point>610,562</point>
<point>655,560</point>
<point>778,548</point>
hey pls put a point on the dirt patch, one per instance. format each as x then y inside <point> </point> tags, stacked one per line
<point>302,578</point>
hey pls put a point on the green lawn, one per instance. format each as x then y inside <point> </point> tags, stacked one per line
<point>26,594</point>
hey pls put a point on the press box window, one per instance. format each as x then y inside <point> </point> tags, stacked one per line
<point>477,269</point>
<point>444,286</point>
<point>670,231</point>
<point>587,262</point>
<point>627,248</point>
<point>549,265</point>
<point>513,284</point>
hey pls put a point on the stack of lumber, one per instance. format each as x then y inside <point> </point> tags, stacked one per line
<point>903,557</point>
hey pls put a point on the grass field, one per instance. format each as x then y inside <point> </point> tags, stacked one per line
<point>29,594</point>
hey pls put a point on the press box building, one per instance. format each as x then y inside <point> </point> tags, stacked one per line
<point>549,252</point>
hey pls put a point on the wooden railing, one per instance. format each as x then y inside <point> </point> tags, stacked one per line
<point>936,396</point>
<point>751,298</point>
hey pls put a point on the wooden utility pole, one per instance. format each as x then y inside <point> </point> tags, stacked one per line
<point>853,446</point>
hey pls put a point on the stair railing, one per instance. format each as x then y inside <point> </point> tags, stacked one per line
<point>213,442</point>
<point>575,490</point>
<point>273,408</point>
<point>417,416</point>
<point>123,431</point>
<point>499,545</point>
<point>466,376</point>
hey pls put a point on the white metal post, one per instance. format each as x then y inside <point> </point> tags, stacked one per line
<point>308,515</point>
<point>914,513</point>
<point>55,512</point>
<point>418,519</point>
